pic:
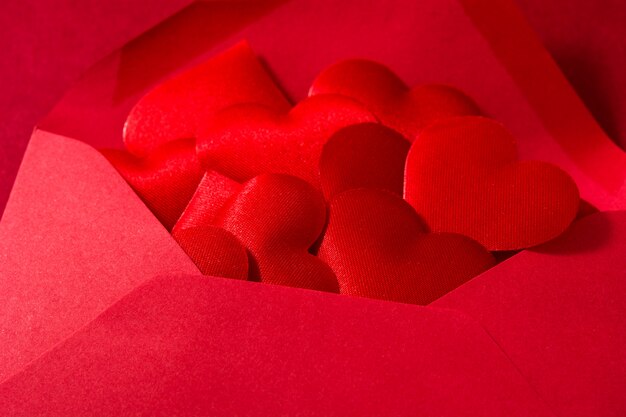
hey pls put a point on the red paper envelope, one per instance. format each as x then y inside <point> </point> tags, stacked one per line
<point>201,346</point>
<point>75,238</point>
<point>558,313</point>
<point>209,346</point>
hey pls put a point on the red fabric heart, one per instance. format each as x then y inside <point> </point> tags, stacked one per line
<point>378,247</point>
<point>213,192</point>
<point>247,140</point>
<point>215,251</point>
<point>463,176</point>
<point>407,110</point>
<point>278,218</point>
<point>165,180</point>
<point>176,108</point>
<point>366,155</point>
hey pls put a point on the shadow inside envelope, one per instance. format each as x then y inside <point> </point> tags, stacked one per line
<point>587,234</point>
<point>268,68</point>
<point>181,38</point>
<point>587,78</point>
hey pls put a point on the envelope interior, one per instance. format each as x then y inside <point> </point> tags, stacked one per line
<point>297,39</point>
<point>463,46</point>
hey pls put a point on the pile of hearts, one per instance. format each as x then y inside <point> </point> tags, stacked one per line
<point>368,187</point>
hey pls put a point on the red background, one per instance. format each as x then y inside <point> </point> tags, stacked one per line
<point>47,44</point>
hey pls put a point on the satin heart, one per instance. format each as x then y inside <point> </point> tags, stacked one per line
<point>215,251</point>
<point>367,155</point>
<point>211,194</point>
<point>378,247</point>
<point>407,110</point>
<point>176,108</point>
<point>247,140</point>
<point>165,180</point>
<point>278,218</point>
<point>463,176</point>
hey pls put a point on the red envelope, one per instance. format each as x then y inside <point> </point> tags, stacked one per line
<point>558,313</point>
<point>199,346</point>
<point>75,226</point>
<point>74,239</point>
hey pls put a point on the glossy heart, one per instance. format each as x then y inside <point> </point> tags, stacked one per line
<point>215,251</point>
<point>165,180</point>
<point>366,155</point>
<point>378,247</point>
<point>463,176</point>
<point>407,110</point>
<point>278,218</point>
<point>248,140</point>
<point>176,108</point>
<point>210,196</point>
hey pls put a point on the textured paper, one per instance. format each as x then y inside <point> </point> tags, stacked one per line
<point>73,239</point>
<point>200,346</point>
<point>558,312</point>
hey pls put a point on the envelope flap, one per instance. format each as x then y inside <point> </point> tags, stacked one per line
<point>184,345</point>
<point>558,312</point>
<point>73,239</point>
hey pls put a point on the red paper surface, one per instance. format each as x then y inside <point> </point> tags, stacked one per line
<point>187,346</point>
<point>47,45</point>
<point>586,39</point>
<point>73,239</point>
<point>558,312</point>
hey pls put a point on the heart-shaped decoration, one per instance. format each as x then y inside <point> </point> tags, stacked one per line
<point>176,108</point>
<point>366,155</point>
<point>211,194</point>
<point>407,110</point>
<point>378,247</point>
<point>278,218</point>
<point>248,140</point>
<point>165,180</point>
<point>215,251</point>
<point>463,176</point>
